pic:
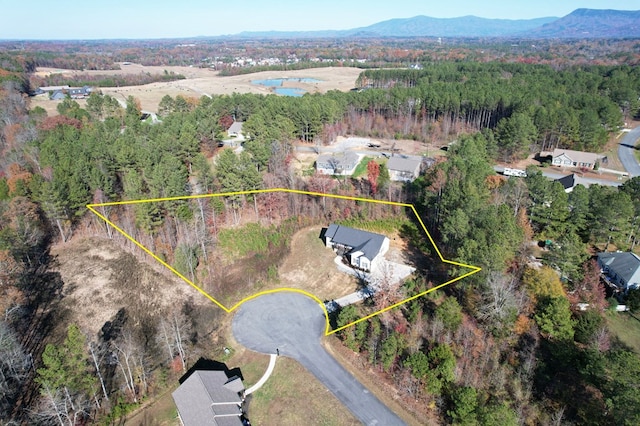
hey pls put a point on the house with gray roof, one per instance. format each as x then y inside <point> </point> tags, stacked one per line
<point>362,249</point>
<point>622,269</point>
<point>404,168</point>
<point>338,163</point>
<point>569,158</point>
<point>210,398</point>
<point>235,130</point>
<point>57,95</point>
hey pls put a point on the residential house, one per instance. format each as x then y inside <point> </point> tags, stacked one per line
<point>404,168</point>
<point>339,163</point>
<point>80,92</point>
<point>57,95</point>
<point>210,398</point>
<point>361,249</point>
<point>622,269</point>
<point>235,131</point>
<point>568,158</point>
<point>571,181</point>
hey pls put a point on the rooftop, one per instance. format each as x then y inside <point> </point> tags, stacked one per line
<point>625,264</point>
<point>338,158</point>
<point>366,242</point>
<point>404,163</point>
<point>577,156</point>
<point>209,398</point>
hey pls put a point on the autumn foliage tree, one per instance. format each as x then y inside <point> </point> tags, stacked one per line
<point>373,171</point>
<point>590,290</point>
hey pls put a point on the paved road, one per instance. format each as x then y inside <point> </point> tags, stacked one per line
<point>294,324</point>
<point>557,175</point>
<point>626,152</point>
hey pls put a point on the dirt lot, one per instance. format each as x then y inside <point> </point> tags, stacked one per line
<point>101,277</point>
<point>201,81</point>
<point>311,267</point>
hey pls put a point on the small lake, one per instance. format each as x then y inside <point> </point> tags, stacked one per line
<point>277,83</point>
<point>289,91</point>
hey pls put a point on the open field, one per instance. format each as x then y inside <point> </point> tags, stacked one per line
<point>102,277</point>
<point>310,266</point>
<point>626,327</point>
<point>201,82</point>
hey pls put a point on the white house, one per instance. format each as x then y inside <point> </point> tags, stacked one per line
<point>621,268</point>
<point>404,168</point>
<point>339,163</point>
<point>235,131</point>
<point>361,249</point>
<point>568,158</point>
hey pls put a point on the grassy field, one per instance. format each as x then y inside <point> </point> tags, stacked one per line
<point>161,412</point>
<point>361,168</point>
<point>293,396</point>
<point>626,328</point>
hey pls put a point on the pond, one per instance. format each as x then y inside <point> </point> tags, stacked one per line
<point>277,83</point>
<point>289,91</point>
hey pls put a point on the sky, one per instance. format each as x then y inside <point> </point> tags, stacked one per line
<point>100,19</point>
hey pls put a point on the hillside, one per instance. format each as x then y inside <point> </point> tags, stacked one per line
<point>581,23</point>
<point>592,23</point>
<point>465,26</point>
<point>421,26</point>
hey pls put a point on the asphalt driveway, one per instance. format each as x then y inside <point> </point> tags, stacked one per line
<point>293,324</point>
<point>626,152</point>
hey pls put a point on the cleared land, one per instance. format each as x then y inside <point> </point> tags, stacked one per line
<point>101,277</point>
<point>201,82</point>
<point>625,327</point>
<point>310,266</point>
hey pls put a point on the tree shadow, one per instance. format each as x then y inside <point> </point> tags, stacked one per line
<point>43,291</point>
<point>211,365</point>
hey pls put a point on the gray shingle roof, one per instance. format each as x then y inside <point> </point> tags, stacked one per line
<point>338,160</point>
<point>404,163</point>
<point>208,398</point>
<point>624,264</point>
<point>236,127</point>
<point>366,242</point>
<point>577,156</point>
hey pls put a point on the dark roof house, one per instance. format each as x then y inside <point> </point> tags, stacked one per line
<point>79,92</point>
<point>571,181</point>
<point>621,268</point>
<point>361,248</point>
<point>210,398</point>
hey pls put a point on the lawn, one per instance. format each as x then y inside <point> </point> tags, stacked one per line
<point>361,168</point>
<point>293,396</point>
<point>626,328</point>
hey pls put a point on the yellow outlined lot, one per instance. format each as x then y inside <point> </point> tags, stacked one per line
<point>328,331</point>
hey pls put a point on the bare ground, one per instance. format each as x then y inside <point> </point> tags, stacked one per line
<point>311,267</point>
<point>100,277</point>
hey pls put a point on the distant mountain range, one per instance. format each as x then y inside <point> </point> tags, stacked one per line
<point>581,23</point>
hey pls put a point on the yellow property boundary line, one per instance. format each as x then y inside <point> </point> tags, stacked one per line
<point>328,331</point>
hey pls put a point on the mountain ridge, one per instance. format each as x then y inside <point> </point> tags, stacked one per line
<point>581,23</point>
